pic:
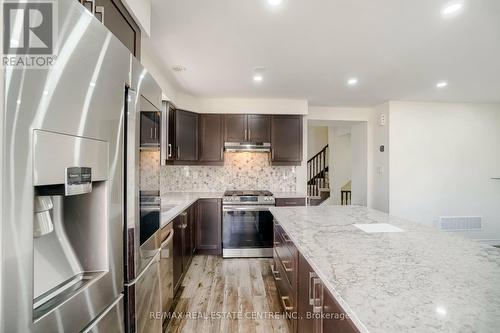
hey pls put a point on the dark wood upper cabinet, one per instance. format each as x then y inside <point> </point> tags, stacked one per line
<point>247,128</point>
<point>259,128</point>
<point>211,146</point>
<point>169,124</point>
<point>286,139</point>
<point>235,127</point>
<point>150,129</point>
<point>208,226</point>
<point>118,20</point>
<point>186,135</point>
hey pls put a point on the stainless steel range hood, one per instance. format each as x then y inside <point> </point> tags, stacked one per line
<point>259,147</point>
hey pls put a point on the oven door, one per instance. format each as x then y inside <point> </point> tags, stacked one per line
<point>247,231</point>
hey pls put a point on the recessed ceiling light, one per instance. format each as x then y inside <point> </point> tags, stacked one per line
<point>178,68</point>
<point>258,78</point>
<point>14,42</point>
<point>352,81</point>
<point>45,92</point>
<point>92,84</point>
<point>274,2</point>
<point>452,8</point>
<point>441,84</point>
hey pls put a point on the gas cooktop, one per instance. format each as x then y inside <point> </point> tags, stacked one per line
<point>245,193</point>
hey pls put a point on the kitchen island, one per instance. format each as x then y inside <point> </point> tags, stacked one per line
<point>417,280</point>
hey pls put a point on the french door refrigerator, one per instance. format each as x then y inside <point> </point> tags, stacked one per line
<point>64,170</point>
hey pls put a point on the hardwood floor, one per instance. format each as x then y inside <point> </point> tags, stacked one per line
<point>228,295</point>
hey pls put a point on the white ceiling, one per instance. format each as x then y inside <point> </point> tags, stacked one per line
<point>399,49</point>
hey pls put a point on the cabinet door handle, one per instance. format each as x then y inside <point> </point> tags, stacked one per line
<point>99,13</point>
<point>249,134</point>
<point>178,152</point>
<point>275,274</point>
<point>317,301</point>
<point>151,133</point>
<point>222,153</point>
<point>246,135</point>
<point>156,133</point>
<point>169,151</point>
<point>272,154</point>
<point>284,300</point>
<point>312,275</point>
<point>287,269</point>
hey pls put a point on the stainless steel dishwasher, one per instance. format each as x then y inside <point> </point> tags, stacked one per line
<point>167,267</point>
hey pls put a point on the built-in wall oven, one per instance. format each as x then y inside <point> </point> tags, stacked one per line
<point>247,224</point>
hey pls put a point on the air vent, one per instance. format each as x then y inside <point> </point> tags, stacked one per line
<point>461,223</point>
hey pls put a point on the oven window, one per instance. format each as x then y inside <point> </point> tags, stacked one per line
<point>247,229</point>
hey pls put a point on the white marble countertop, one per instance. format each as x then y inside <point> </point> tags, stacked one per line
<point>180,202</point>
<point>420,280</point>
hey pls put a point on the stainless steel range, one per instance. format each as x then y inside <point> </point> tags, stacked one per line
<point>247,224</point>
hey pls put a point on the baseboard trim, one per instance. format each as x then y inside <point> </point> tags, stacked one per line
<point>493,242</point>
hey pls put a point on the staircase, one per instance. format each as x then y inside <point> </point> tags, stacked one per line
<point>318,184</point>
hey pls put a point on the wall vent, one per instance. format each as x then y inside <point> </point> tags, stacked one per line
<point>461,223</point>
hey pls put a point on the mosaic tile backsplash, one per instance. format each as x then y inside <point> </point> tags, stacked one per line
<point>149,163</point>
<point>240,171</point>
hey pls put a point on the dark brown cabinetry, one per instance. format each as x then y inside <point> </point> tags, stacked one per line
<point>211,143</point>
<point>208,226</point>
<point>168,136</point>
<point>114,15</point>
<point>286,140</point>
<point>247,128</point>
<point>183,243</point>
<point>284,272</point>
<point>315,305</point>
<point>186,135</point>
<point>178,250</point>
<point>150,129</point>
<point>284,202</point>
<point>235,127</point>
<point>259,128</point>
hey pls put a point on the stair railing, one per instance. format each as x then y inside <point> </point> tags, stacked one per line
<point>317,167</point>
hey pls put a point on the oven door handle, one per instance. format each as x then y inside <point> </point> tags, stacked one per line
<point>245,208</point>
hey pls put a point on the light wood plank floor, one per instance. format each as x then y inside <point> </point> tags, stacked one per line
<point>214,287</point>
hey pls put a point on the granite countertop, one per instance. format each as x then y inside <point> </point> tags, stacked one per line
<point>420,280</point>
<point>174,203</point>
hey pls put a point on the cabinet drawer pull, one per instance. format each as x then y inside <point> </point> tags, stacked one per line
<point>284,300</point>
<point>169,150</point>
<point>275,274</point>
<point>287,269</point>
<point>317,302</point>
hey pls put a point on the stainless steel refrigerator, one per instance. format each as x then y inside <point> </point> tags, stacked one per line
<point>66,199</point>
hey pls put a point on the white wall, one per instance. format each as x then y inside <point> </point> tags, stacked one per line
<point>359,163</point>
<point>441,163</point>
<point>380,160</point>
<point>157,70</point>
<point>317,139</point>
<point>244,105</point>
<point>340,166</point>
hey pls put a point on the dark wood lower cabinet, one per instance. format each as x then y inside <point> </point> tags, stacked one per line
<point>209,226</point>
<point>178,250</point>
<point>284,202</point>
<point>317,310</point>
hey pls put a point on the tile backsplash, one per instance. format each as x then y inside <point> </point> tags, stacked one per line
<point>240,171</point>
